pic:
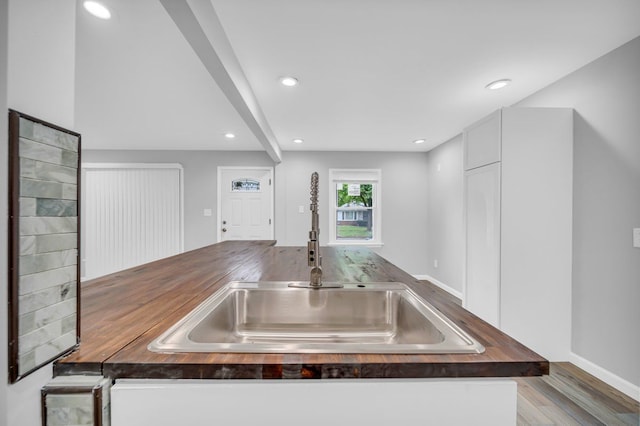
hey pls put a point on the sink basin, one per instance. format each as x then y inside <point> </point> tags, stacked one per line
<point>274,317</point>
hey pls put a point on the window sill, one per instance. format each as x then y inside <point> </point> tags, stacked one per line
<point>355,243</point>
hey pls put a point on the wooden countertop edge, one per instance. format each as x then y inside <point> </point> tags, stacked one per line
<point>383,370</point>
<point>122,361</point>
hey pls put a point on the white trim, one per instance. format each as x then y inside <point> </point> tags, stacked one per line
<point>355,243</point>
<point>356,175</point>
<point>219,197</point>
<point>440,284</point>
<point>131,166</point>
<point>606,376</point>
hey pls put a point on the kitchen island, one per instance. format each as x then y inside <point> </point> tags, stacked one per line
<point>123,312</point>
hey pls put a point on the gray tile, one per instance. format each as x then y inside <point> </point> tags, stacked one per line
<point>26,362</point>
<point>52,172</point>
<point>44,134</point>
<point>68,291</point>
<point>68,141</point>
<point>54,137</point>
<point>27,207</point>
<point>36,282</point>
<point>40,188</point>
<point>27,168</point>
<point>70,400</point>
<point>69,323</point>
<point>47,225</point>
<point>27,245</point>
<point>69,159</point>
<point>49,314</point>
<point>69,191</point>
<point>55,242</point>
<point>26,323</point>
<point>53,207</point>
<point>54,347</point>
<point>39,337</point>
<point>26,128</point>
<point>69,417</point>
<point>31,264</point>
<point>41,152</point>
<point>34,301</point>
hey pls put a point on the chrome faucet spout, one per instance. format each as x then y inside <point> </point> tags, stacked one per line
<point>313,246</point>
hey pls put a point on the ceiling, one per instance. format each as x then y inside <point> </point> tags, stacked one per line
<point>374,75</point>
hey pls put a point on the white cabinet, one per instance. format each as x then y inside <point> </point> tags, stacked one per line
<point>371,402</point>
<point>482,210</point>
<point>482,142</point>
<point>518,225</point>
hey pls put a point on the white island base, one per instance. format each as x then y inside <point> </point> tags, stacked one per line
<point>336,402</point>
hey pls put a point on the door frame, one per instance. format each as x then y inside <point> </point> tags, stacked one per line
<point>219,197</point>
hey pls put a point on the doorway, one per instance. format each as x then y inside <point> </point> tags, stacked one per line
<point>245,203</point>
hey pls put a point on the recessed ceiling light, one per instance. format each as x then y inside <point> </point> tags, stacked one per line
<point>97,9</point>
<point>229,135</point>
<point>298,140</point>
<point>289,81</point>
<point>419,141</point>
<point>498,84</point>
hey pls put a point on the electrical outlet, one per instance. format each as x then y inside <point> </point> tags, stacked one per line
<point>435,263</point>
<point>300,209</point>
<point>207,212</point>
<point>636,237</point>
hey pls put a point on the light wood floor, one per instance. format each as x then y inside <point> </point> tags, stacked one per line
<point>571,396</point>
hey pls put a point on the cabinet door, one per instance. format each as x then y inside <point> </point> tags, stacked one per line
<point>482,142</point>
<point>482,268</point>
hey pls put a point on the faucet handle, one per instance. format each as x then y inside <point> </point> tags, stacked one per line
<point>313,251</point>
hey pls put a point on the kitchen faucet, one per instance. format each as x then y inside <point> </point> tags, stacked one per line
<point>313,246</point>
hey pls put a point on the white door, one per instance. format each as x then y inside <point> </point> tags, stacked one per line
<point>245,203</point>
<point>482,272</point>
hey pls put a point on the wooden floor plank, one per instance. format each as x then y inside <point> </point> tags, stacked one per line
<point>529,412</point>
<point>570,395</point>
<point>559,416</point>
<point>619,401</point>
<point>565,403</point>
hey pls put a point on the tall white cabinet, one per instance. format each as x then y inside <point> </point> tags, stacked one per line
<point>518,225</point>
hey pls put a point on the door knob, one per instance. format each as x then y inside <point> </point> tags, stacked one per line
<point>224,229</point>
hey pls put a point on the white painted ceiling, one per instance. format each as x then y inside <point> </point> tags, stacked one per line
<point>374,74</point>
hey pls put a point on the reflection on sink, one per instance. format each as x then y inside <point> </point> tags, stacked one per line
<point>273,317</point>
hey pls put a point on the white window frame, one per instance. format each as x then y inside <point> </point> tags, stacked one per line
<point>367,176</point>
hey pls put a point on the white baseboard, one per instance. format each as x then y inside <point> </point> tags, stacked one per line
<point>606,376</point>
<point>440,284</point>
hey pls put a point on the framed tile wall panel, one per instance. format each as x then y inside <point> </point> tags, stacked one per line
<point>44,242</point>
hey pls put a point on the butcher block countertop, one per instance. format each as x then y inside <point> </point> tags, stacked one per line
<point>123,312</point>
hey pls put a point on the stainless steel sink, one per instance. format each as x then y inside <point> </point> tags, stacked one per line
<point>273,317</point>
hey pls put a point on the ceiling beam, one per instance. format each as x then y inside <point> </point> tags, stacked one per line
<point>199,24</point>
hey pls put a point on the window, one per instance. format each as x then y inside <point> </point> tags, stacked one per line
<point>354,207</point>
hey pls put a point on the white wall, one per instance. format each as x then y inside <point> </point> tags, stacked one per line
<point>200,182</point>
<point>40,82</point>
<point>606,206</point>
<point>404,200</point>
<point>444,214</point>
<point>42,59</point>
<point>4,171</point>
<point>404,178</point>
